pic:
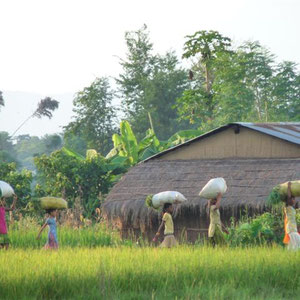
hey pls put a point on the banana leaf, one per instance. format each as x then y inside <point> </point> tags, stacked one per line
<point>72,153</point>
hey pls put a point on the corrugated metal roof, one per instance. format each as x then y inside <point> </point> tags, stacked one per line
<point>284,130</point>
<point>288,131</point>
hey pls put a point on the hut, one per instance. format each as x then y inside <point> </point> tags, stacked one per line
<point>252,157</point>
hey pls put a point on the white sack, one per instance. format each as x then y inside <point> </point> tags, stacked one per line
<point>167,197</point>
<point>6,189</point>
<point>213,187</point>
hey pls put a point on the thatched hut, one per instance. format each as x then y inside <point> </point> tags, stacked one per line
<point>252,158</point>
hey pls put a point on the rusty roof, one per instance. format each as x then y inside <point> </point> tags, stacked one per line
<point>288,131</point>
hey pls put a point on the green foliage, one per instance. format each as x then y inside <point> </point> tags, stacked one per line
<point>241,84</point>
<point>149,86</point>
<point>7,150</point>
<point>127,147</point>
<point>275,197</point>
<point>27,147</point>
<point>127,151</point>
<point>148,201</point>
<point>260,230</point>
<point>197,103</point>
<point>67,174</point>
<point>20,181</point>
<point>206,43</point>
<point>75,142</point>
<point>94,116</point>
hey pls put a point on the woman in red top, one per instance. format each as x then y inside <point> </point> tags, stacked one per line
<point>4,240</point>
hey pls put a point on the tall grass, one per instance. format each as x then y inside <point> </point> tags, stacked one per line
<point>23,235</point>
<point>150,273</point>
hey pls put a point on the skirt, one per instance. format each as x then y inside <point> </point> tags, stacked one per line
<point>218,238</point>
<point>52,243</point>
<point>294,243</point>
<point>169,241</point>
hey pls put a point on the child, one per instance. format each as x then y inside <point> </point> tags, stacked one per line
<point>215,233</point>
<point>4,240</point>
<point>52,242</point>
<point>167,221</point>
<point>292,236</point>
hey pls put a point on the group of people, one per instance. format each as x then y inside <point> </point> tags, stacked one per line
<point>215,231</point>
<point>52,241</point>
<point>216,228</point>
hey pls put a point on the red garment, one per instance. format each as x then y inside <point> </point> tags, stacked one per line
<point>3,227</point>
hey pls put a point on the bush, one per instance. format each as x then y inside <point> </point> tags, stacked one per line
<point>267,228</point>
<point>20,181</point>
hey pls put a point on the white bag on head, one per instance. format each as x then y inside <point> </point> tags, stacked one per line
<point>213,187</point>
<point>172,197</point>
<point>6,189</point>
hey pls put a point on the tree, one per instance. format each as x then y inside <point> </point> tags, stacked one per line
<point>20,181</point>
<point>68,174</point>
<point>52,142</point>
<point>7,151</point>
<point>197,102</point>
<point>250,86</point>
<point>95,116</point>
<point>137,68</point>
<point>149,86</point>
<point>75,142</point>
<point>208,44</point>
<point>285,92</point>
<point>242,84</point>
<point>27,147</point>
<point>44,108</point>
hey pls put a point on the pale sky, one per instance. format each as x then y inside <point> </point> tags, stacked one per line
<point>57,47</point>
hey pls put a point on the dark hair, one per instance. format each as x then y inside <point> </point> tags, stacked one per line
<point>289,201</point>
<point>166,206</point>
<point>49,211</point>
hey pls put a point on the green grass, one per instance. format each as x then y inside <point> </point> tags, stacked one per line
<point>24,236</point>
<point>150,273</point>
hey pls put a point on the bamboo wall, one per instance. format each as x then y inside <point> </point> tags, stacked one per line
<point>228,144</point>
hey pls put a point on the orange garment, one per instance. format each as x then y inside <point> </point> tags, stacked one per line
<point>286,238</point>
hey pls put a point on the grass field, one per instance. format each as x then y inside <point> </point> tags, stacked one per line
<point>150,273</point>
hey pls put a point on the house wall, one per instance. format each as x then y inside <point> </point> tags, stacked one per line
<point>227,144</point>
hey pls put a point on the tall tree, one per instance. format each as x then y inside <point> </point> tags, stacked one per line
<point>243,84</point>
<point>250,86</point>
<point>149,86</point>
<point>203,48</point>
<point>95,117</point>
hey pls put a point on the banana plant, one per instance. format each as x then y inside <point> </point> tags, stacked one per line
<point>129,152</point>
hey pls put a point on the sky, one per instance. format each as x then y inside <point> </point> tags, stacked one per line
<point>56,48</point>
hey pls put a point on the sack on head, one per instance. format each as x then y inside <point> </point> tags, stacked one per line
<point>160,199</point>
<point>5,189</point>
<point>53,203</point>
<point>213,187</point>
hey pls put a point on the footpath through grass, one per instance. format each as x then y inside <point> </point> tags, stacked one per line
<point>150,273</point>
